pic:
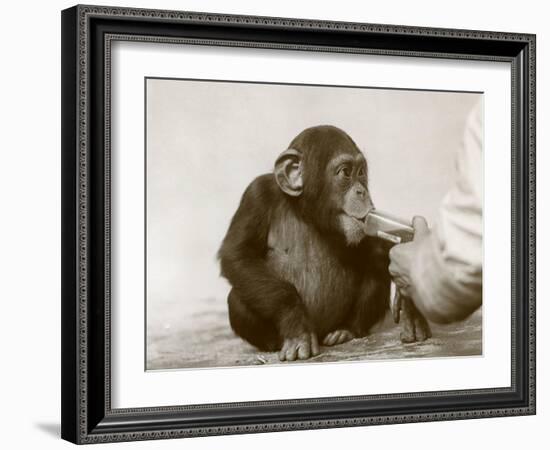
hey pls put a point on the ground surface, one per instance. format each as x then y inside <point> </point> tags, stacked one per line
<point>206,340</point>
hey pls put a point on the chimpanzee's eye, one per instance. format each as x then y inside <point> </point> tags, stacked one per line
<point>345,172</point>
<point>361,172</point>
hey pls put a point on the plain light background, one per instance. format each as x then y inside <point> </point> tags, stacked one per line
<point>196,177</point>
<point>30,228</point>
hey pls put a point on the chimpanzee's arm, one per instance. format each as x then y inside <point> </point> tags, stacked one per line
<point>374,291</point>
<point>374,297</point>
<point>243,260</point>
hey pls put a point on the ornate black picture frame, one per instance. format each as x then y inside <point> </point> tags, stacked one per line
<point>87,34</point>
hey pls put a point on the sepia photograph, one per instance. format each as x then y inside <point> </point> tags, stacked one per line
<point>275,223</point>
<point>298,224</point>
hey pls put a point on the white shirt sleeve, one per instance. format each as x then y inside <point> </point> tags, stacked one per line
<point>447,270</point>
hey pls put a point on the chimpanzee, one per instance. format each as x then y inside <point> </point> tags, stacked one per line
<point>301,267</point>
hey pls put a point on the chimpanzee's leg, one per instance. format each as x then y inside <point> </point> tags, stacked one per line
<point>250,326</point>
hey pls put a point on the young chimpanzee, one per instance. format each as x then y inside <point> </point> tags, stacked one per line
<point>301,267</point>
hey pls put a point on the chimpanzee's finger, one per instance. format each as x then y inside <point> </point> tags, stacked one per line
<point>304,350</point>
<point>340,336</point>
<point>291,352</point>
<point>395,302</point>
<point>422,328</point>
<point>330,339</point>
<point>344,336</point>
<point>283,351</point>
<point>314,345</point>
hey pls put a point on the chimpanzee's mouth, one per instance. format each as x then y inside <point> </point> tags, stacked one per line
<point>354,228</point>
<point>361,220</point>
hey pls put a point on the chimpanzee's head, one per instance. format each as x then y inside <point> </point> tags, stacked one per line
<point>327,175</point>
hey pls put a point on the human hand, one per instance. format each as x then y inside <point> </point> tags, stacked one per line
<point>402,255</point>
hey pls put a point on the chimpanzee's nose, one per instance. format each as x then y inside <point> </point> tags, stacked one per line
<point>360,191</point>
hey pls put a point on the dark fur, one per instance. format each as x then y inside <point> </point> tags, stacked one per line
<point>278,245</point>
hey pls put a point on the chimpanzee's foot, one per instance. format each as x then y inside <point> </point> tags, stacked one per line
<point>338,337</point>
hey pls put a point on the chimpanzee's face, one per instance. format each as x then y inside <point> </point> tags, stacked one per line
<point>327,174</point>
<point>347,175</point>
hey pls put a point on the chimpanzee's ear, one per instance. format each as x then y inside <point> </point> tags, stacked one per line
<point>288,172</point>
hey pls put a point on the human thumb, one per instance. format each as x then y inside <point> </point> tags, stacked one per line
<point>420,227</point>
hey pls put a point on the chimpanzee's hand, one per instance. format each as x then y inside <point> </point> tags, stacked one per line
<point>414,326</point>
<point>303,346</point>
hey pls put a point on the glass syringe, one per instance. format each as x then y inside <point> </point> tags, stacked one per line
<point>388,227</point>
